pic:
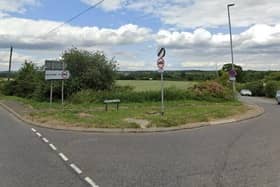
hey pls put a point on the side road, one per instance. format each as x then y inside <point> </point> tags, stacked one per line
<point>21,112</point>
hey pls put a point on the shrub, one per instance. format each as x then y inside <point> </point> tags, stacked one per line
<point>255,87</point>
<point>89,70</point>
<point>271,88</point>
<point>25,82</point>
<point>210,91</point>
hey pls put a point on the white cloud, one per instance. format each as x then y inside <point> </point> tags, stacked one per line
<point>18,59</point>
<point>256,37</point>
<point>18,6</point>
<point>255,48</point>
<point>201,13</point>
<point>31,34</point>
<point>108,5</point>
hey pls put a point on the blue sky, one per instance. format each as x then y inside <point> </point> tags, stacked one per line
<point>195,32</point>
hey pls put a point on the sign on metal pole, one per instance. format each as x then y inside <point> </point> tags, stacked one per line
<point>160,64</point>
<point>55,70</point>
<point>232,75</point>
<point>57,75</point>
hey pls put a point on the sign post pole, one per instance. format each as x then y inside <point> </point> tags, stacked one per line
<point>62,87</point>
<point>51,93</point>
<point>160,64</point>
<point>162,94</point>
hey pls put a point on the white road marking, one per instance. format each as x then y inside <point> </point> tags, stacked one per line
<point>88,180</point>
<point>45,140</point>
<point>38,134</point>
<point>53,147</point>
<point>63,157</point>
<point>76,169</point>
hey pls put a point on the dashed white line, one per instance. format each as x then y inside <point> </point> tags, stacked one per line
<point>38,134</point>
<point>45,140</point>
<point>53,147</point>
<point>76,169</point>
<point>63,157</point>
<point>88,180</point>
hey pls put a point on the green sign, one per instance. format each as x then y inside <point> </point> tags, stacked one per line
<point>53,65</point>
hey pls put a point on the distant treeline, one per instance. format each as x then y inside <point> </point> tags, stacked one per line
<point>193,75</point>
<point>4,74</point>
<point>168,75</point>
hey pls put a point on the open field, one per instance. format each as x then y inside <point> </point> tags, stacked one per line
<point>143,85</point>
<point>93,115</point>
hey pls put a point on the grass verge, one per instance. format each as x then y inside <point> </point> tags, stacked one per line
<point>93,115</point>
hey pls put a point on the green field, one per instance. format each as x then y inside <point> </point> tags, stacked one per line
<point>145,85</point>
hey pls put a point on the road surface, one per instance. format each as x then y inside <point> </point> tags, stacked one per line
<point>239,154</point>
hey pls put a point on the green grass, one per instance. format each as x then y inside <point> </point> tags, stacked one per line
<point>145,85</point>
<point>93,115</point>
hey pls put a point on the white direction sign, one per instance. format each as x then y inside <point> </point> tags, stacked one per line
<point>56,75</point>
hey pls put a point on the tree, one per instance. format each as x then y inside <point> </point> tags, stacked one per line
<point>238,69</point>
<point>27,80</point>
<point>89,70</point>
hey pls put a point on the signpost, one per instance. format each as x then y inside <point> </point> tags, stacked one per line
<point>160,64</point>
<point>55,70</point>
<point>232,75</point>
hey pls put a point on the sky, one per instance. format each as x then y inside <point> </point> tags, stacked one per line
<point>194,32</point>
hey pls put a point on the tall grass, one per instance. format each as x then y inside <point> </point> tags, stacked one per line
<point>205,91</point>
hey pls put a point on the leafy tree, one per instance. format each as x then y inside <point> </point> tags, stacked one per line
<point>89,70</point>
<point>238,69</point>
<point>274,76</point>
<point>26,81</point>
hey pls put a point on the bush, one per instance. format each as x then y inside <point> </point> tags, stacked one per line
<point>89,70</point>
<point>25,82</point>
<point>210,91</point>
<point>271,88</point>
<point>255,87</point>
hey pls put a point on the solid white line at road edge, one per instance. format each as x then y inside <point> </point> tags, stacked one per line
<point>75,168</point>
<point>88,180</point>
<point>63,157</point>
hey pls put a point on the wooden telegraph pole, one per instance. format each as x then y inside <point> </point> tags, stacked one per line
<point>10,63</point>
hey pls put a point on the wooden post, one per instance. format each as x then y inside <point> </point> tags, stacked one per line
<point>10,63</point>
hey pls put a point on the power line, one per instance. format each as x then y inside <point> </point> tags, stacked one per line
<point>76,16</point>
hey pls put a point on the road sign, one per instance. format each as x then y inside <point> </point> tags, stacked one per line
<point>57,75</point>
<point>232,73</point>
<point>161,53</point>
<point>160,63</point>
<point>53,65</point>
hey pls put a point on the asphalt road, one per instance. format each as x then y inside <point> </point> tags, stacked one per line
<point>238,154</point>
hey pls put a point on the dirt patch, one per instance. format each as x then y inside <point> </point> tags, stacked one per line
<point>141,122</point>
<point>85,115</point>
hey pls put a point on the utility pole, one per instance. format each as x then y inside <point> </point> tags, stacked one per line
<point>231,48</point>
<point>10,63</point>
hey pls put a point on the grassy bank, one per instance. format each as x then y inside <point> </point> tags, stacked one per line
<point>93,115</point>
<point>146,85</point>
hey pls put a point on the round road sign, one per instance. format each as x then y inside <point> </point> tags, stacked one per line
<point>232,73</point>
<point>64,74</point>
<point>160,63</point>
